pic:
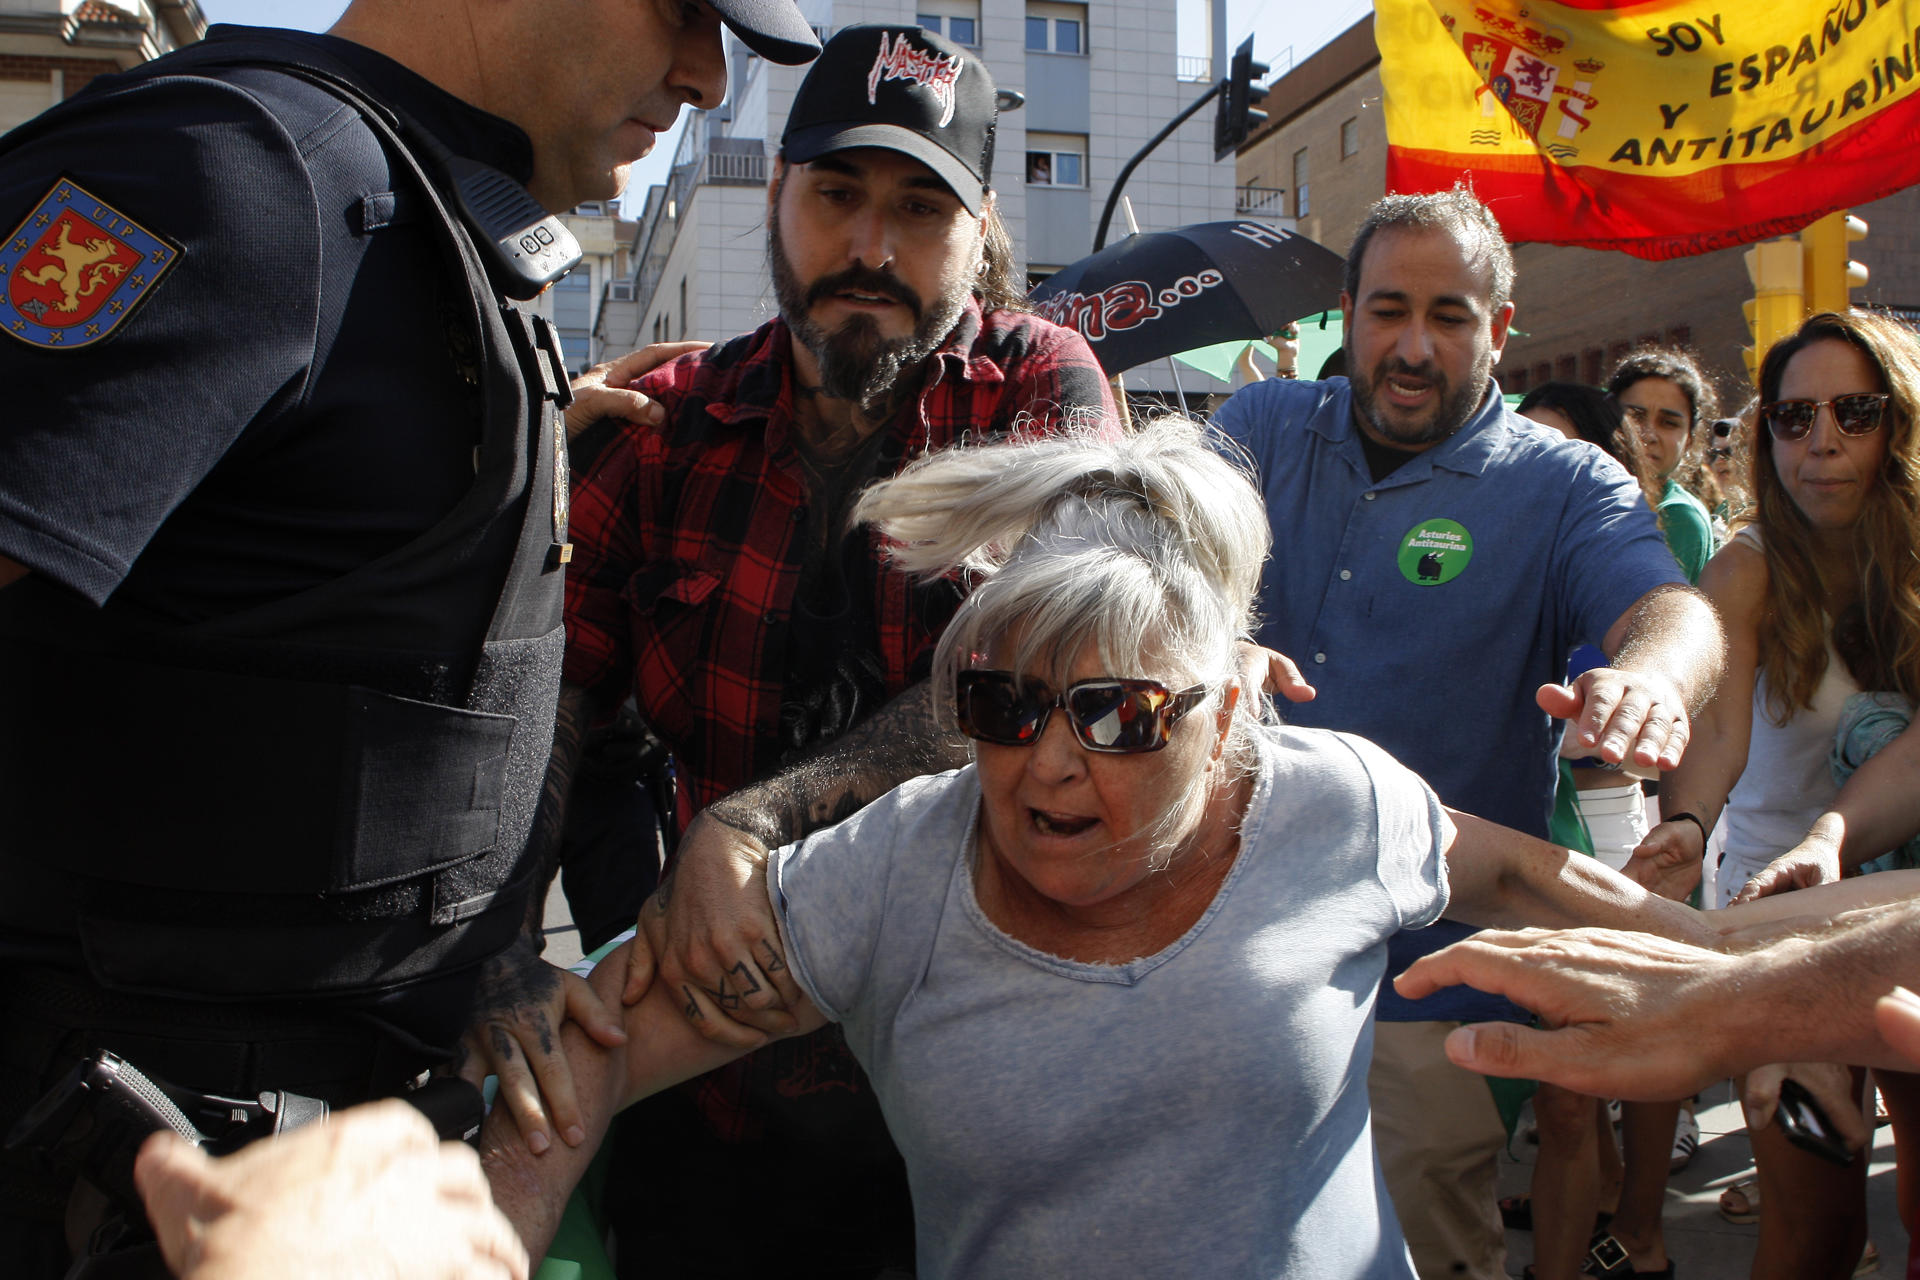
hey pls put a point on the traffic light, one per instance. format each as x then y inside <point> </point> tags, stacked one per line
<point>1239,114</point>
<point>1775,267</point>
<point>1830,273</point>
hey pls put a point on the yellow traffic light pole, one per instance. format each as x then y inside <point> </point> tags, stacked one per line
<point>1795,277</point>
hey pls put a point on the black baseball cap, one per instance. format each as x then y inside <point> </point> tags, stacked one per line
<point>774,29</point>
<point>907,90</point>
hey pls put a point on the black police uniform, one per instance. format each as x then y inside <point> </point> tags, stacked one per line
<point>277,697</point>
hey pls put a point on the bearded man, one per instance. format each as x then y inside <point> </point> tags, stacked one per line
<point>715,579</point>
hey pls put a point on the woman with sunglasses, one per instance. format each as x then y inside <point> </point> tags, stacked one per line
<point>1819,590</point>
<point>1114,981</point>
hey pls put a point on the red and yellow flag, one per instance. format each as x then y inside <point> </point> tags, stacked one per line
<point>1658,127</point>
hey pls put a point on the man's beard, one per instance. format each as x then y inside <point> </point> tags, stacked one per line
<point>856,363</point>
<point>1453,406</point>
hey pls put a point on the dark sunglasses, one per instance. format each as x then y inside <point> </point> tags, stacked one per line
<point>1856,415</point>
<point>1112,715</point>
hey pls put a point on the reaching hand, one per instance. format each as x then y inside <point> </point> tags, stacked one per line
<point>1623,714</point>
<point>373,1193</point>
<point>515,1035</point>
<point>1813,861</point>
<point>606,390</point>
<point>1625,1011</point>
<point>710,929</point>
<point>1668,861</point>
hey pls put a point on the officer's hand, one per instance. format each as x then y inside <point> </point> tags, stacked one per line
<point>372,1193</point>
<point>606,391</point>
<point>514,1034</point>
<point>1620,715</point>
<point>710,928</point>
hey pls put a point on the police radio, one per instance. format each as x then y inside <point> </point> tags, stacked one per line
<point>526,247</point>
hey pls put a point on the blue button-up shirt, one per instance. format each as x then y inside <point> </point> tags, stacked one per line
<point>1430,606</point>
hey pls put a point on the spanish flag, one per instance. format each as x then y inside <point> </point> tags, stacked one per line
<point>1658,127</point>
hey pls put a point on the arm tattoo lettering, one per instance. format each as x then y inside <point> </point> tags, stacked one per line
<point>902,740</point>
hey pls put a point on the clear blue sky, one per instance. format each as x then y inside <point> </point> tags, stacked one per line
<point>1302,25</point>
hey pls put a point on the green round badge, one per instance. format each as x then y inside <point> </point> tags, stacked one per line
<point>1435,551</point>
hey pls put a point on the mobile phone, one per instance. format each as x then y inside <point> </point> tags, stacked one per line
<point>1807,1126</point>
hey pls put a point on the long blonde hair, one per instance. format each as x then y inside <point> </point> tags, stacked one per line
<point>1879,637</point>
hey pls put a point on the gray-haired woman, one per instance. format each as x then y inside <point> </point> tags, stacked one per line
<point>1114,981</point>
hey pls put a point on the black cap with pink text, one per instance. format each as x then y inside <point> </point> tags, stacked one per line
<point>907,90</point>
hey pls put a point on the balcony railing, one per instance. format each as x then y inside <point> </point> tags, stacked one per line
<point>1269,202</point>
<point>1194,67</point>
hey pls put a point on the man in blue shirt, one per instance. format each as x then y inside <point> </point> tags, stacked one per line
<point>1435,559</point>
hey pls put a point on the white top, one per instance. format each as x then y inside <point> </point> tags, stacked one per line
<point>1787,782</point>
<point>1201,1111</point>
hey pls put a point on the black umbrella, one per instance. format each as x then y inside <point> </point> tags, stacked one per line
<point>1157,293</point>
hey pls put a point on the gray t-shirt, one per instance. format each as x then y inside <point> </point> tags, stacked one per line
<point>1200,1111</point>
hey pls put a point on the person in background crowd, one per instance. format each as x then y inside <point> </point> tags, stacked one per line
<point>717,580</point>
<point>284,463</point>
<point>1820,593</point>
<point>1666,398</point>
<point>1426,531</point>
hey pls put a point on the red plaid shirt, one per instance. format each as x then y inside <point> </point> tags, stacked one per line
<point>688,537</point>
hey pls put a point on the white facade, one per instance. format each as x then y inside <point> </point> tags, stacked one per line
<point>704,232</point>
<point>50,49</point>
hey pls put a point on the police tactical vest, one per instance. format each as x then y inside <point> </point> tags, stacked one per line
<point>270,804</point>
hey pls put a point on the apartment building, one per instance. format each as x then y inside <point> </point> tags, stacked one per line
<point>1098,79</point>
<point>50,49</point>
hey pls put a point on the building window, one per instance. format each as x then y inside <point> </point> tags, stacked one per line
<point>957,20</point>
<point>683,308</point>
<point>1056,159</point>
<point>573,314</point>
<point>1300,183</point>
<point>1349,138</point>
<point>1593,360</point>
<point>1056,28</point>
<point>1566,368</point>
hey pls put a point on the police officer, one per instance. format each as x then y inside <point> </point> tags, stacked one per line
<point>281,535</point>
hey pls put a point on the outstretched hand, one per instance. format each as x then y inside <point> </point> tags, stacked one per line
<point>1623,715</point>
<point>1813,861</point>
<point>519,1007</point>
<point>1623,1010</point>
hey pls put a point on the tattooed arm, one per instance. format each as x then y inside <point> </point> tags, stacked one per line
<point>709,926</point>
<point>521,1001</point>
